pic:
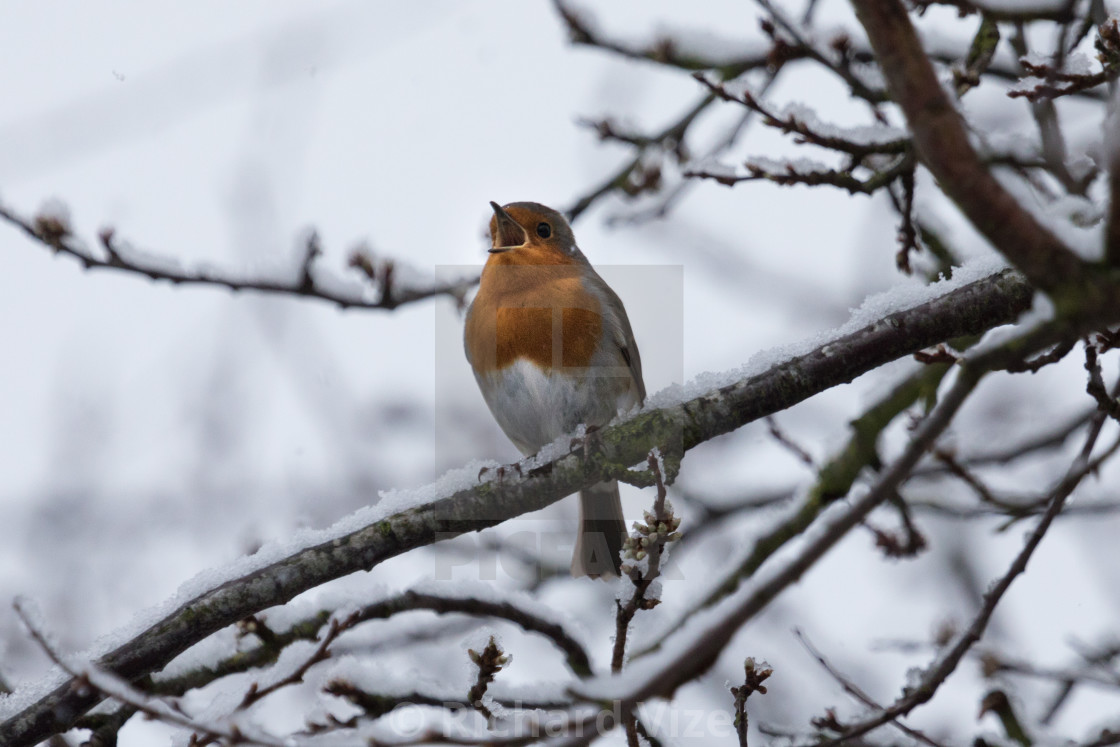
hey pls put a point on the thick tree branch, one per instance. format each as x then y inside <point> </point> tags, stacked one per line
<point>942,144</point>
<point>971,309</point>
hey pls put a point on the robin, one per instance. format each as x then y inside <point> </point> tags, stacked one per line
<point>551,348</point>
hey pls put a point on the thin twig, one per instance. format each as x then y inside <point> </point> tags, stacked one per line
<point>947,662</point>
<point>53,232</point>
<point>792,446</point>
<point>156,708</point>
<point>855,691</point>
<point>645,546</point>
<point>321,653</point>
<point>753,676</point>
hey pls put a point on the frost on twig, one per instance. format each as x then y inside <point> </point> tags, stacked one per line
<point>754,674</point>
<point>489,661</point>
<point>806,127</point>
<point>882,150</point>
<point>1074,73</point>
<point>643,554</point>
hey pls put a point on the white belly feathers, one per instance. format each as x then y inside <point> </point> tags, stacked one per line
<point>535,406</point>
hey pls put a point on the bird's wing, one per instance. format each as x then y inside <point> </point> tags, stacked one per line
<point>618,325</point>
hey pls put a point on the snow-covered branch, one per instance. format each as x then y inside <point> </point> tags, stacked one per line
<point>943,146</point>
<point>674,421</point>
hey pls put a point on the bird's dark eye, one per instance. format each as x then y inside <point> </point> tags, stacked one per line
<point>544,230</point>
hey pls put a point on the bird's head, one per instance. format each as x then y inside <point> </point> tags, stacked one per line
<point>530,233</point>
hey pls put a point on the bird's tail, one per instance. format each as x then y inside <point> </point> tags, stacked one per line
<point>601,531</point>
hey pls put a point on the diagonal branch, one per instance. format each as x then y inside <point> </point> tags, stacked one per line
<point>854,690</point>
<point>676,427</point>
<point>663,50</point>
<point>947,662</point>
<point>856,142</point>
<point>942,144</point>
<point>641,173</point>
<point>695,655</point>
<point>108,685</point>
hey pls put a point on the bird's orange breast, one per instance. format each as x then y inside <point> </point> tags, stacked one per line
<point>542,313</point>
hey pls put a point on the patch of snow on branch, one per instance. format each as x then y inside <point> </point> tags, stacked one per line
<point>910,292</point>
<point>878,134</point>
<point>802,166</point>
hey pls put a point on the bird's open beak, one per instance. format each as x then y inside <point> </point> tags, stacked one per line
<point>508,233</point>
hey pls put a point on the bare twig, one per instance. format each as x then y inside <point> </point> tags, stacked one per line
<point>982,491</point>
<point>1106,403</point>
<point>792,173</point>
<point>53,231</point>
<point>907,231</point>
<point>1054,82</point>
<point>753,677</point>
<point>806,131</point>
<point>662,50</point>
<point>1047,440</point>
<point>321,653</point>
<point>642,172</point>
<point>1037,363</point>
<point>577,657</point>
<point>839,63</point>
<point>1091,674</point>
<point>792,446</point>
<point>1045,115</point>
<point>643,552</point>
<point>489,662</point>
<point>377,705</point>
